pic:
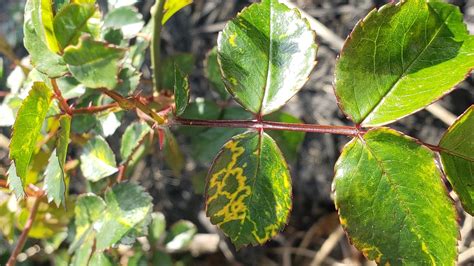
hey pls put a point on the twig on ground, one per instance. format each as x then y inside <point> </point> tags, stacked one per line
<point>328,246</point>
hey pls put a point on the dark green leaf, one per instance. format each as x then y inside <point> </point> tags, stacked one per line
<point>132,137</point>
<point>173,6</point>
<point>125,18</point>
<point>181,91</point>
<point>97,160</point>
<point>213,74</point>
<point>71,22</point>
<point>41,57</point>
<point>180,235</point>
<point>266,54</point>
<point>127,206</point>
<point>199,109</point>
<point>27,127</point>
<point>457,155</point>
<point>185,63</point>
<point>249,189</point>
<point>288,141</point>
<point>396,60</point>
<point>392,202</point>
<point>207,143</point>
<point>94,63</point>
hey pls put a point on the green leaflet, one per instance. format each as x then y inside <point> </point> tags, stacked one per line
<point>97,160</point>
<point>27,127</point>
<point>180,235</point>
<point>125,208</point>
<point>46,27</point>
<point>42,58</point>
<point>266,54</point>
<point>14,182</point>
<point>100,259</point>
<point>457,155</point>
<point>132,137</point>
<point>181,91</point>
<point>174,157</point>
<point>289,141</point>
<point>63,138</point>
<point>173,6</point>
<point>184,62</point>
<point>249,189</point>
<point>56,179</point>
<point>392,202</point>
<point>128,206</point>
<point>71,22</point>
<point>95,64</point>
<point>125,18</point>
<point>396,59</point>
<point>213,74</point>
<point>89,208</point>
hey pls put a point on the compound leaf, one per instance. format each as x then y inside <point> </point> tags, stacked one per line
<point>173,6</point>
<point>71,22</point>
<point>27,127</point>
<point>127,206</point>
<point>266,54</point>
<point>181,91</point>
<point>97,160</point>
<point>391,200</point>
<point>396,59</point>
<point>457,156</point>
<point>249,189</point>
<point>94,63</point>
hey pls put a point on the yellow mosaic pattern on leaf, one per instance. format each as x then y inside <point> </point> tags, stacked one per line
<point>236,208</point>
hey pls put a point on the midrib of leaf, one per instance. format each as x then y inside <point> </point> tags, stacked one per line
<point>405,71</point>
<point>95,60</point>
<point>269,61</point>
<point>455,154</point>
<point>257,168</point>
<point>407,211</point>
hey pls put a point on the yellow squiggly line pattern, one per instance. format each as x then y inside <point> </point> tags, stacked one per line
<point>236,208</point>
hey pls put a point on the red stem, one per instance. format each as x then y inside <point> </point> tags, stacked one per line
<point>62,102</point>
<point>269,125</point>
<point>24,234</point>
<point>94,109</point>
